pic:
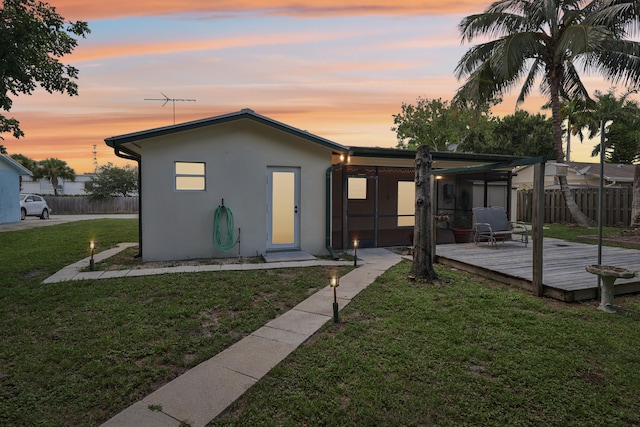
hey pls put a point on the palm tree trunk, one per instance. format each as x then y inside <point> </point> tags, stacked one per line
<point>569,141</point>
<point>54,183</point>
<point>635,205</point>
<point>556,124</point>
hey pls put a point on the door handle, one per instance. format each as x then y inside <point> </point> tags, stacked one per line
<point>295,209</point>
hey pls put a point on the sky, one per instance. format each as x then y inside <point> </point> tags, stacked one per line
<point>337,69</point>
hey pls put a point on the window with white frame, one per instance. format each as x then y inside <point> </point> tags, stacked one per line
<point>190,176</point>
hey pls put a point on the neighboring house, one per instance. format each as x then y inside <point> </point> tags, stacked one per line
<point>578,175</point>
<point>10,173</point>
<point>287,188</point>
<point>65,187</point>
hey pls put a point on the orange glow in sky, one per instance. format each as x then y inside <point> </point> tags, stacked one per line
<point>337,69</point>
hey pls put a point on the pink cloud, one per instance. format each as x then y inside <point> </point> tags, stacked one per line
<point>90,9</point>
<point>92,52</point>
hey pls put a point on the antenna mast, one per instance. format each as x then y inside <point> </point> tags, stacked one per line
<point>172,100</point>
<point>95,159</point>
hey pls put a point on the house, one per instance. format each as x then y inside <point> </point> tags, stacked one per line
<point>269,175</point>
<point>65,187</point>
<point>579,175</point>
<point>10,173</point>
<point>285,188</point>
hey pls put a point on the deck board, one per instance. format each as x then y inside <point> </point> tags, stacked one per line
<point>564,274</point>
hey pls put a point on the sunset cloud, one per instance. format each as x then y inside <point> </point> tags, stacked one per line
<point>337,69</point>
<point>86,52</point>
<point>91,10</point>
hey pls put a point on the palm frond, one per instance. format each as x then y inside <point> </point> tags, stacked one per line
<point>620,63</point>
<point>474,57</point>
<point>572,85</point>
<point>579,39</point>
<point>510,55</point>
<point>615,14</point>
<point>492,25</point>
<point>536,68</point>
<point>482,85</point>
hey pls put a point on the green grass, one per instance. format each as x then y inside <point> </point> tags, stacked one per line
<point>464,352</point>
<point>571,232</point>
<point>76,353</point>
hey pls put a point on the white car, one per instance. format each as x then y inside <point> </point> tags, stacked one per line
<point>33,205</point>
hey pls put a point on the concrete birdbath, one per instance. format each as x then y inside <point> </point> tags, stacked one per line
<point>608,274</point>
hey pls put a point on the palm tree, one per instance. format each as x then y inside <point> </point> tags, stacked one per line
<point>547,40</point>
<point>616,119</point>
<point>53,169</point>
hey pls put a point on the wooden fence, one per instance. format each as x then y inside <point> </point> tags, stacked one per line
<point>617,205</point>
<point>83,205</point>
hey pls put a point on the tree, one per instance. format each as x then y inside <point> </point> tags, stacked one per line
<point>635,205</point>
<point>547,39</point>
<point>25,161</point>
<point>422,267</point>
<point>621,117</point>
<point>52,170</point>
<point>113,181</point>
<point>441,125</point>
<point>571,111</point>
<point>520,134</point>
<point>434,123</point>
<point>33,37</point>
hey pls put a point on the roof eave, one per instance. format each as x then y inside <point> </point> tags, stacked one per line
<point>116,141</point>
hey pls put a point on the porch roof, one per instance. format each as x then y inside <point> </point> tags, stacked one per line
<point>445,162</point>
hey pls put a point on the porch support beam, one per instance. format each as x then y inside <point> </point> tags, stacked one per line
<point>537,227</point>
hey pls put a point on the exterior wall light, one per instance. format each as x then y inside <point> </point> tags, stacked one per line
<point>334,282</point>
<point>92,246</point>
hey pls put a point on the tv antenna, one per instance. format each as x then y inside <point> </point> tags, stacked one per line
<point>95,159</point>
<point>172,100</point>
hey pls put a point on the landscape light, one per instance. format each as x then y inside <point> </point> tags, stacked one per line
<point>92,246</point>
<point>334,282</point>
<point>355,253</point>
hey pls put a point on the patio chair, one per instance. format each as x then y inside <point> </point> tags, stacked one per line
<point>491,224</point>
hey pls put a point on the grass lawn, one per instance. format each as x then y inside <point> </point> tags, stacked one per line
<point>463,352</point>
<point>571,232</point>
<point>77,353</point>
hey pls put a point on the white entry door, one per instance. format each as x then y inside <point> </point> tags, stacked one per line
<point>283,208</point>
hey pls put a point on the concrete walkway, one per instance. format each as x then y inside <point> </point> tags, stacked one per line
<point>73,271</point>
<point>202,393</point>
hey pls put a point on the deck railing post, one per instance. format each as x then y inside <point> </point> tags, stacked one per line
<point>537,221</point>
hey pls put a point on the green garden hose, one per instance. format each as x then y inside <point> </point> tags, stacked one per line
<point>223,243</point>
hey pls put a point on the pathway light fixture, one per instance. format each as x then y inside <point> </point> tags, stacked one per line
<point>334,282</point>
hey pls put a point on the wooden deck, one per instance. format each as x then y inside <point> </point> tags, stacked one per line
<point>564,274</point>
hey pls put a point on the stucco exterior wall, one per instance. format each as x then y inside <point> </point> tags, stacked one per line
<point>9,195</point>
<point>179,224</point>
